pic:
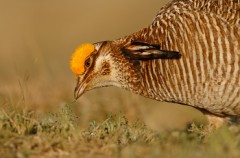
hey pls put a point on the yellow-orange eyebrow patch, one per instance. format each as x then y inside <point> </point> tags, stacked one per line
<point>79,57</point>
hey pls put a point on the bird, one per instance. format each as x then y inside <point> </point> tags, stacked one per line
<point>189,54</point>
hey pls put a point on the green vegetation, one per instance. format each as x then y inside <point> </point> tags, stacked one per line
<point>23,133</point>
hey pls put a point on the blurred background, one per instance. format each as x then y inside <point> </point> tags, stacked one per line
<point>37,39</point>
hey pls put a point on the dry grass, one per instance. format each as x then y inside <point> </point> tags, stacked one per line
<point>58,134</point>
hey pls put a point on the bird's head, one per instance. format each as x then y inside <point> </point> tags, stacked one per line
<point>95,66</point>
<point>109,63</point>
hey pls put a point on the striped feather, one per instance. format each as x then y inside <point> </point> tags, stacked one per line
<point>207,76</point>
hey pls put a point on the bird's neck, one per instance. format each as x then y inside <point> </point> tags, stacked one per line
<point>124,74</point>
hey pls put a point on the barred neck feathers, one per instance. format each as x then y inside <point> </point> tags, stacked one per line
<point>124,72</point>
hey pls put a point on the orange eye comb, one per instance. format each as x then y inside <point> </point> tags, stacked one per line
<point>79,57</point>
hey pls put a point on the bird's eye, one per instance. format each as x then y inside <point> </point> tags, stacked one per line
<point>88,62</point>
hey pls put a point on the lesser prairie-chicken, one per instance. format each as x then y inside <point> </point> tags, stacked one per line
<point>190,54</point>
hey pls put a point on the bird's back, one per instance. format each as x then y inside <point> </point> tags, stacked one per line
<point>207,34</point>
<point>227,10</point>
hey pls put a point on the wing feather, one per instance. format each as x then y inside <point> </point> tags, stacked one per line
<point>145,51</point>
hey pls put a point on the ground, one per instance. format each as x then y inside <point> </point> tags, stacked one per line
<point>23,133</point>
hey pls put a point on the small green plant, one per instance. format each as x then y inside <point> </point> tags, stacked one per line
<point>23,133</point>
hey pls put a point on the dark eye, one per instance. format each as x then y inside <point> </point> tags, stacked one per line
<point>88,62</point>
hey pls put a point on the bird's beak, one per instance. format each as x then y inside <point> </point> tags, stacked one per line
<point>79,89</point>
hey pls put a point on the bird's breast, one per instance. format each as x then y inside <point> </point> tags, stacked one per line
<point>207,75</point>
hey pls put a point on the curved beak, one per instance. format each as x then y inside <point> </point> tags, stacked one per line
<point>79,89</point>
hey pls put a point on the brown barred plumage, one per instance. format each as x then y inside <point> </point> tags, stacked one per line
<point>207,75</point>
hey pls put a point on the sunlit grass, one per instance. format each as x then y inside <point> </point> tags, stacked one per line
<point>23,133</point>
